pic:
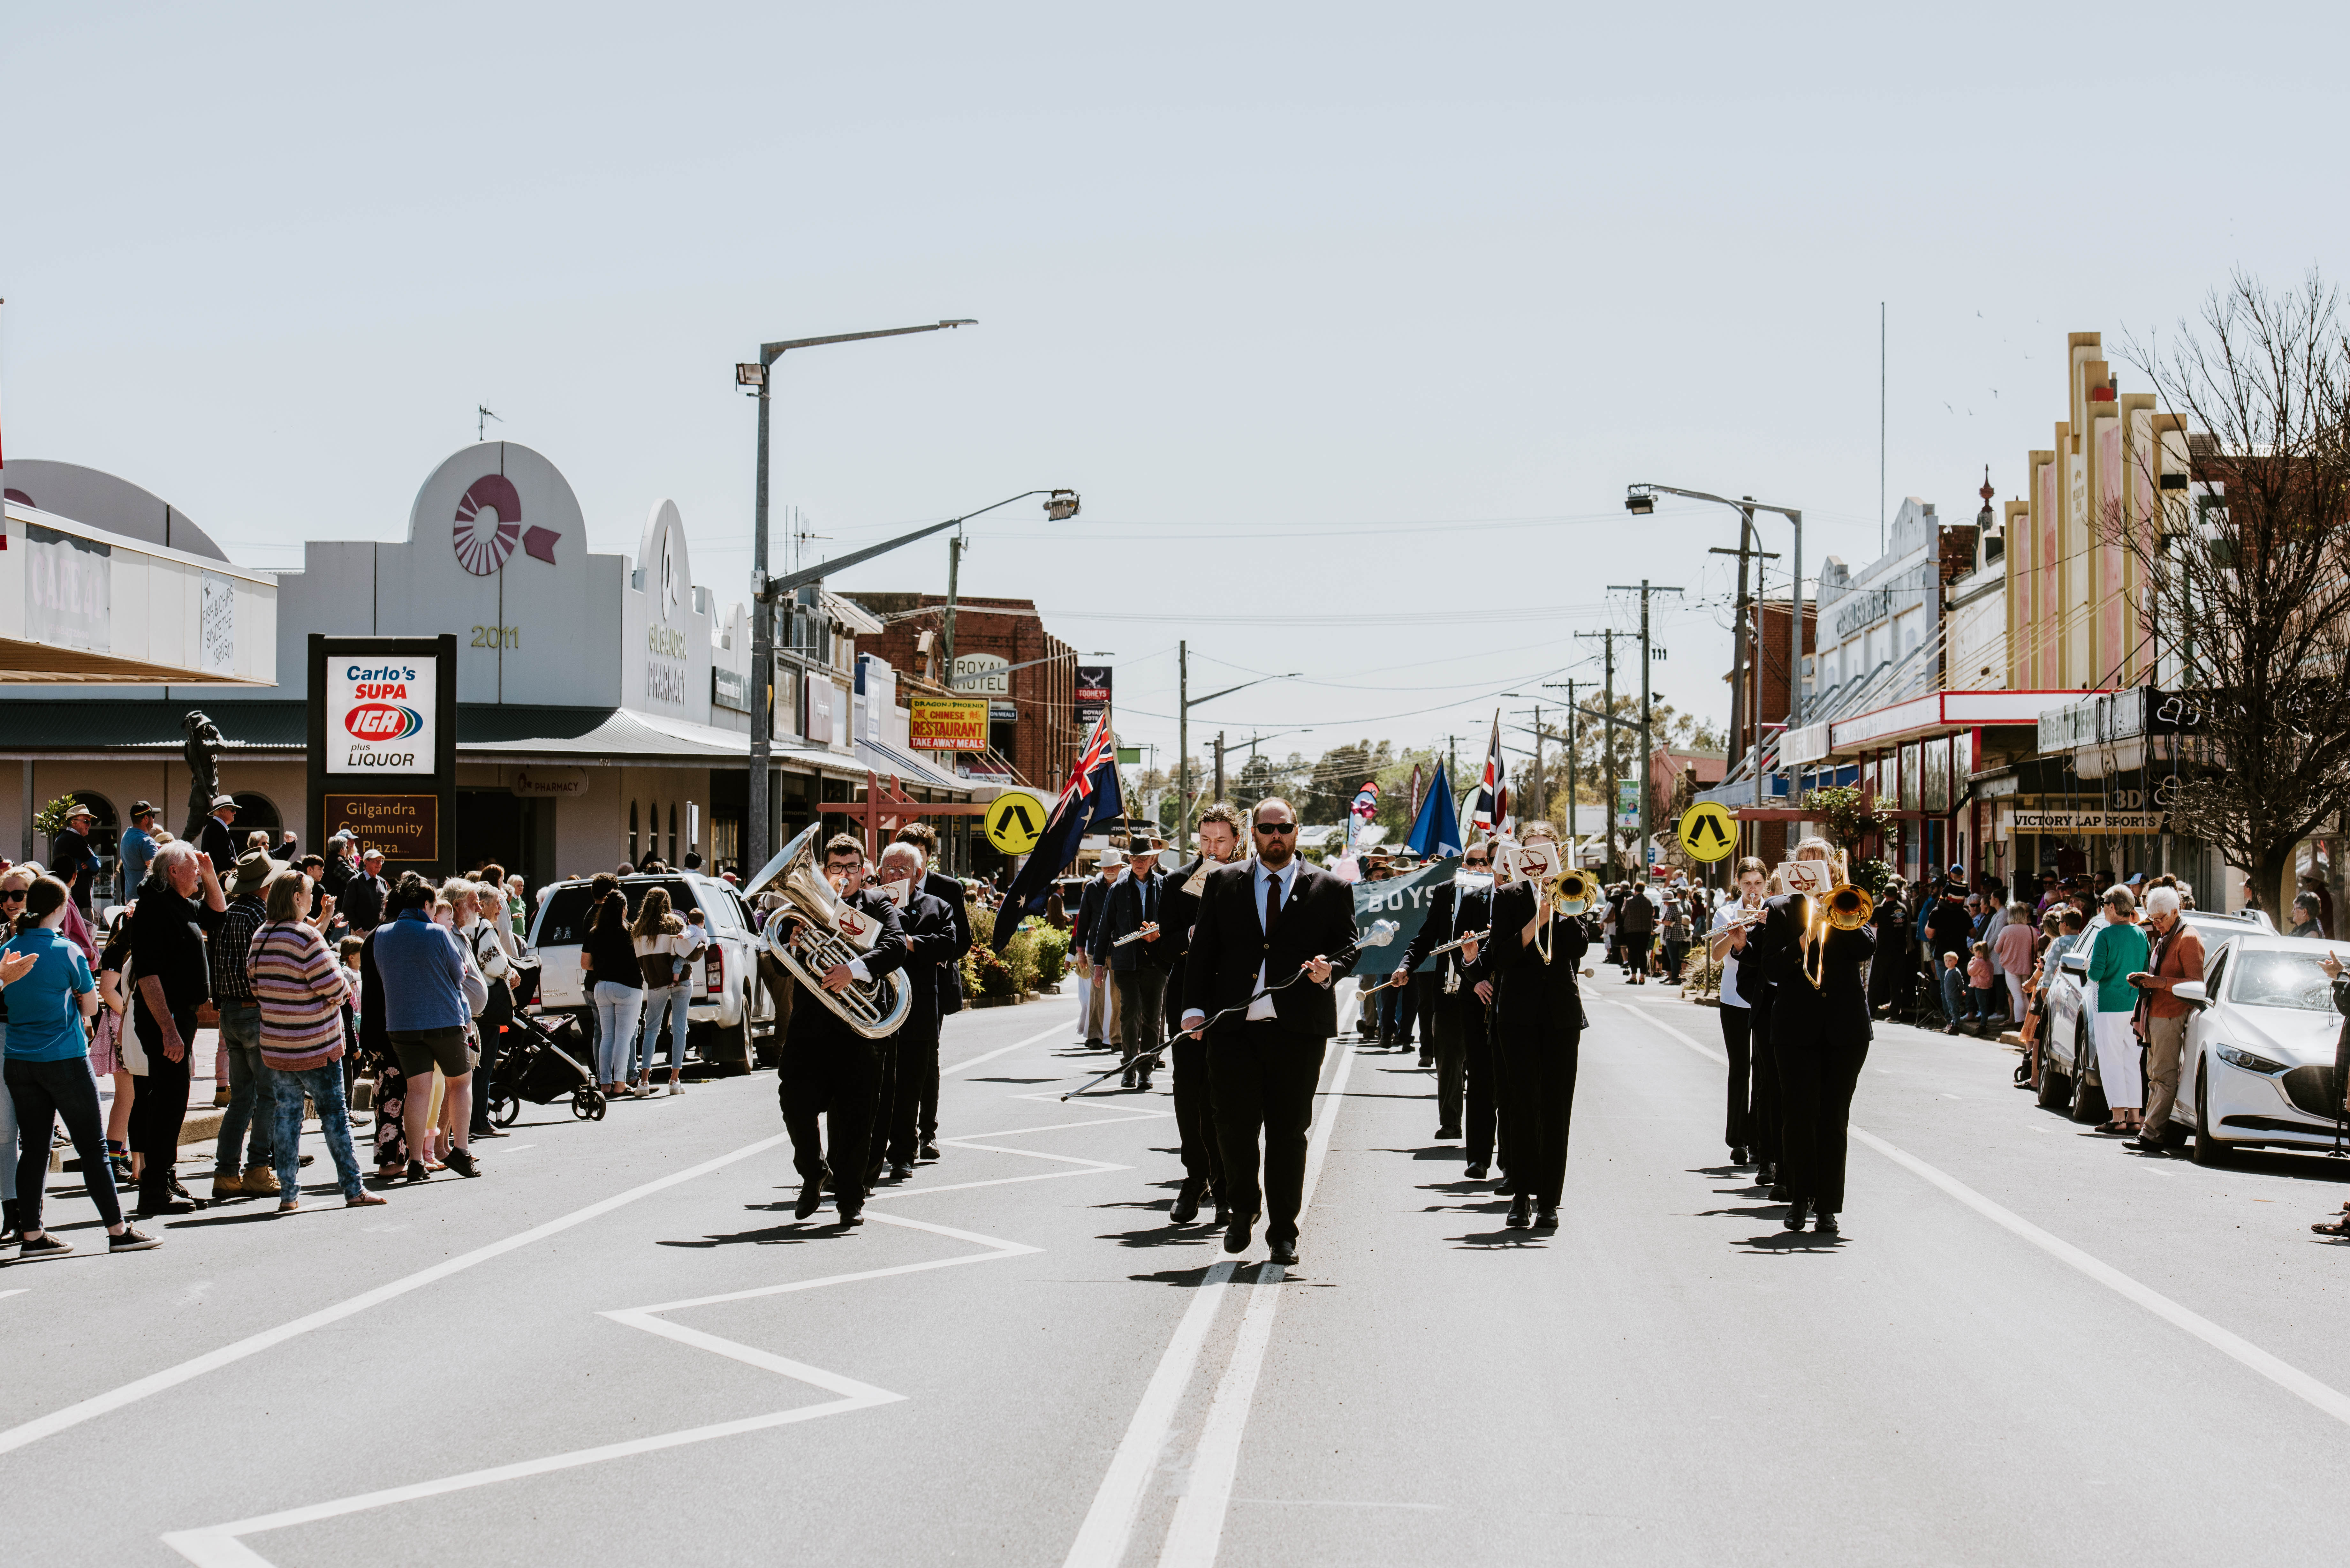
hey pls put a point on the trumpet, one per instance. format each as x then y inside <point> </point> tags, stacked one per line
<point>1845,907</point>
<point>1569,893</point>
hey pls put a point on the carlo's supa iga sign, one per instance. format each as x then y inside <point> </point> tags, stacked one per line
<point>379,715</point>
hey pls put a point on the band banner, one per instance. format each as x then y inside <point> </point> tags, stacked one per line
<point>1403,899</point>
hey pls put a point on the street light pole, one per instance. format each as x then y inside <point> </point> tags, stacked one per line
<point>762,616</point>
<point>1648,736</point>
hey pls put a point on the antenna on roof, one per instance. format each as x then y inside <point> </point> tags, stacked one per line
<point>482,418</point>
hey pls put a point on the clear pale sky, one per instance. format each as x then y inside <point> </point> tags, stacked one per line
<point>1350,323</point>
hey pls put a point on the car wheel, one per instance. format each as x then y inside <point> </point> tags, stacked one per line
<point>768,1048</point>
<point>2088,1099</point>
<point>736,1045</point>
<point>2208,1151</point>
<point>2055,1088</point>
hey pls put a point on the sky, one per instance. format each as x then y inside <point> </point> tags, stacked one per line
<point>1350,324</point>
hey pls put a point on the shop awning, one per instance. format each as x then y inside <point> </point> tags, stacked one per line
<point>82,606</point>
<point>1935,713</point>
<point>910,771</point>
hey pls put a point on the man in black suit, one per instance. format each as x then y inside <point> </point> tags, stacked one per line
<point>910,1057</point>
<point>1820,1036</point>
<point>219,845</point>
<point>947,890</point>
<point>1261,925</point>
<point>1460,1015</point>
<point>1195,1126</point>
<point>1536,956</point>
<point>1134,970</point>
<point>829,1069</point>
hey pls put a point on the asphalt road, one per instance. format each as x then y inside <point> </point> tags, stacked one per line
<point>618,1347</point>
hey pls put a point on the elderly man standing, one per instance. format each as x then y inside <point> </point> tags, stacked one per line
<point>215,837</point>
<point>2178,956</point>
<point>167,931</point>
<point>363,895</point>
<point>909,1085</point>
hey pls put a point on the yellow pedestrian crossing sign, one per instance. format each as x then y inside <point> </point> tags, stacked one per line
<point>1015,821</point>
<point>1707,832</point>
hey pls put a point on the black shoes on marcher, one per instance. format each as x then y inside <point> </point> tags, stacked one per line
<point>1766,1174</point>
<point>1475,1173</point>
<point>811,1200</point>
<point>1236,1233</point>
<point>1796,1213</point>
<point>1281,1249</point>
<point>1737,1154</point>
<point>1546,1217</point>
<point>1521,1212</point>
<point>929,1153</point>
<point>1186,1207</point>
<point>1827,1224</point>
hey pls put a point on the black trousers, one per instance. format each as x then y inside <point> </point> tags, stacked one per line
<point>1762,1115</point>
<point>1737,1031</point>
<point>485,1073</point>
<point>913,1102</point>
<point>161,1105</point>
<point>1261,1079</point>
<point>1195,1121</point>
<point>1541,1108</point>
<point>838,1078</point>
<point>1816,1084</point>
<point>1140,992</point>
<point>1455,1017</point>
<point>884,1096</point>
<point>1636,946</point>
<point>1481,1068</point>
<point>43,1091</point>
<point>1424,994</point>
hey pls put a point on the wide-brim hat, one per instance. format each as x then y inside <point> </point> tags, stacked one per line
<point>223,800</point>
<point>79,812</point>
<point>253,870</point>
<point>1113,856</point>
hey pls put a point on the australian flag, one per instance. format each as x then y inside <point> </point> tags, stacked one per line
<point>1092,795</point>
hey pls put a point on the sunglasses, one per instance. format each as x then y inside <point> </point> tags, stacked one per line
<point>1276,827</point>
<point>1476,862</point>
<point>12,896</point>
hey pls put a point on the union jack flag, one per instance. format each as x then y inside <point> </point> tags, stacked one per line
<point>1491,808</point>
<point>1099,747</point>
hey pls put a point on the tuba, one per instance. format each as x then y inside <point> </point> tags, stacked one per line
<point>824,932</point>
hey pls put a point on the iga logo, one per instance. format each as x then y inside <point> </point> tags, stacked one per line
<point>382,722</point>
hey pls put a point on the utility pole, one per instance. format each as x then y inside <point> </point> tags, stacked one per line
<point>1744,553</point>
<point>1183,744</point>
<point>954,569</point>
<point>1571,716</point>
<point>1539,802</point>
<point>1648,716</point>
<point>1607,759</point>
<point>1219,764</point>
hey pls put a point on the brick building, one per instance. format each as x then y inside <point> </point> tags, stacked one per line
<point>1027,675</point>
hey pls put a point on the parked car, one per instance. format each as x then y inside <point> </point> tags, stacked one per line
<point>2068,1057</point>
<point>2258,1067</point>
<point>729,1017</point>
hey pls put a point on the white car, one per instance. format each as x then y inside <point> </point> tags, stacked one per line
<point>2068,1052</point>
<point>2258,1066</point>
<point>730,1019</point>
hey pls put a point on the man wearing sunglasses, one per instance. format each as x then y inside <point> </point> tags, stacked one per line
<point>1261,948</point>
<point>1455,912</point>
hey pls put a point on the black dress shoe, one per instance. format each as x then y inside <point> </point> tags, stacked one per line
<point>1186,1207</point>
<point>1236,1233</point>
<point>1448,1132</point>
<point>1127,1082</point>
<point>853,1216</point>
<point>1281,1250</point>
<point>1766,1173</point>
<point>1546,1217</point>
<point>1426,1060</point>
<point>1474,1173</point>
<point>1795,1213</point>
<point>928,1152</point>
<point>1143,1083</point>
<point>1825,1225</point>
<point>901,1171</point>
<point>1521,1212</point>
<point>166,1209</point>
<point>1781,1192</point>
<point>811,1200</point>
<point>1505,1188</point>
<point>1737,1154</point>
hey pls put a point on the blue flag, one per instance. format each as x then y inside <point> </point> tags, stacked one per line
<point>1436,833</point>
<point>1092,795</point>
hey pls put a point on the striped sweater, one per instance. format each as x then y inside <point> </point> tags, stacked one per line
<point>301,991</point>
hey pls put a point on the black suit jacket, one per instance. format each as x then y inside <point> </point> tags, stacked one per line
<point>931,946</point>
<point>1837,1013</point>
<point>1531,997</point>
<point>815,1024</point>
<point>1133,901</point>
<point>1229,943</point>
<point>949,891</point>
<point>1451,915</point>
<point>1178,912</point>
<point>219,845</point>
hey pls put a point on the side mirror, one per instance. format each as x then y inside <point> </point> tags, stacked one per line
<point>2074,963</point>
<point>2192,990</point>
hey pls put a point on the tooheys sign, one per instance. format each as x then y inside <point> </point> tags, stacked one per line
<point>381,715</point>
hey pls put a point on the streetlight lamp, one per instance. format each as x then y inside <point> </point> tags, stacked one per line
<point>1060,506</point>
<point>1641,500</point>
<point>762,626</point>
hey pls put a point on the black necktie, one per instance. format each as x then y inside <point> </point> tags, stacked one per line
<point>1272,902</point>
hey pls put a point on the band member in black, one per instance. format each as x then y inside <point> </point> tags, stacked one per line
<point>1820,1035</point>
<point>950,892</point>
<point>1261,925</point>
<point>1132,969</point>
<point>1455,912</point>
<point>1195,1126</point>
<point>1538,1026</point>
<point>912,1056</point>
<point>1750,1126</point>
<point>828,1069</point>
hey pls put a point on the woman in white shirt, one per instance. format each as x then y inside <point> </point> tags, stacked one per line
<point>1743,1129</point>
<point>666,955</point>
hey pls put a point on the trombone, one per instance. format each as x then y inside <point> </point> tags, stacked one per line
<point>1847,908</point>
<point>1569,893</point>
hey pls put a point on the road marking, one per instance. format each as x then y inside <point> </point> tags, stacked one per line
<point>1005,1050</point>
<point>1197,1533</point>
<point>17,1292</point>
<point>2290,1379</point>
<point>131,1393</point>
<point>223,1546</point>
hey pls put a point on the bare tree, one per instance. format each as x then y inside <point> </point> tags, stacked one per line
<point>2252,591</point>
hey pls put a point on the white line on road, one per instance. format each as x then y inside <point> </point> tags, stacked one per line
<point>186,1371</point>
<point>2290,1379</point>
<point>1197,1533</point>
<point>1006,1050</point>
<point>17,1292</point>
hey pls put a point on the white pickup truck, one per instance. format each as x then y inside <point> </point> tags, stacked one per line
<point>730,1018</point>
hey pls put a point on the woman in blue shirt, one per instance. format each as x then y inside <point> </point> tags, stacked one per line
<point>48,1073</point>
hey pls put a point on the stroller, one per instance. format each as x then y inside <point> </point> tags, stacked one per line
<point>537,1063</point>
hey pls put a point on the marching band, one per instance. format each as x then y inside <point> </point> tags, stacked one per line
<point>1246,948</point>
